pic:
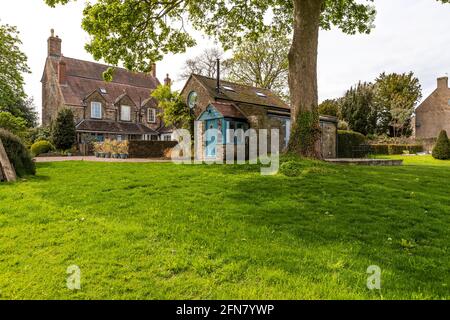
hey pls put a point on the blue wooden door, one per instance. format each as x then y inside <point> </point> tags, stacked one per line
<point>211,138</point>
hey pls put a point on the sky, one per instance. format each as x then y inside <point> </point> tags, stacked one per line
<point>410,35</point>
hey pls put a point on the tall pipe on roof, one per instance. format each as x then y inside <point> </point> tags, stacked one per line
<point>218,76</point>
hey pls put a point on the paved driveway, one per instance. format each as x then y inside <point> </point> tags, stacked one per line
<point>59,159</point>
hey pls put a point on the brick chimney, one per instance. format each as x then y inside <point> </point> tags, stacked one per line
<point>442,83</point>
<point>168,81</point>
<point>62,75</point>
<point>54,45</point>
<point>153,70</point>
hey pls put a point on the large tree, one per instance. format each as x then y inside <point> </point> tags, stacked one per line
<point>138,32</point>
<point>262,63</point>
<point>13,64</point>
<point>397,95</point>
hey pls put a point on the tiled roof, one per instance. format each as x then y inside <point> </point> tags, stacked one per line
<point>114,127</point>
<point>228,110</point>
<point>241,93</point>
<point>84,77</point>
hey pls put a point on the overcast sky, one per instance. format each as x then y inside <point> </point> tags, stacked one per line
<point>410,35</point>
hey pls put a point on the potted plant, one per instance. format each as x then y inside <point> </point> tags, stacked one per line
<point>107,148</point>
<point>97,149</point>
<point>123,149</point>
<point>115,146</point>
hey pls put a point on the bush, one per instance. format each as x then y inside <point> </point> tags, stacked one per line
<point>291,168</point>
<point>394,149</point>
<point>347,140</point>
<point>18,154</point>
<point>41,147</point>
<point>63,130</point>
<point>441,150</point>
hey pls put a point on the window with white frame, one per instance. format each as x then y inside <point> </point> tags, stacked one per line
<point>151,116</point>
<point>125,113</point>
<point>167,137</point>
<point>96,110</point>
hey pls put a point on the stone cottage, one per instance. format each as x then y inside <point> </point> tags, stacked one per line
<point>121,109</point>
<point>225,105</point>
<point>433,114</point>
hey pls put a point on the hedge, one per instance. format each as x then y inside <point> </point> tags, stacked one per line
<point>393,149</point>
<point>347,141</point>
<point>18,154</point>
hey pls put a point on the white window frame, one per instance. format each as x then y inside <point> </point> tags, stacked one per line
<point>95,104</point>
<point>166,137</point>
<point>153,110</point>
<point>122,118</point>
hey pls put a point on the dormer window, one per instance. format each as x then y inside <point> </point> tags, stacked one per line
<point>125,113</point>
<point>151,116</point>
<point>96,110</point>
<point>103,91</point>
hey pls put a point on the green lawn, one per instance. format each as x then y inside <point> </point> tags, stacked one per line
<point>165,231</point>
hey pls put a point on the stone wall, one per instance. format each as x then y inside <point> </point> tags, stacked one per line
<point>149,149</point>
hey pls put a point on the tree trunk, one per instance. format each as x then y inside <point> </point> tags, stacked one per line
<point>305,132</point>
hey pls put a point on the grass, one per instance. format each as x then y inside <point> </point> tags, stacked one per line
<point>166,231</point>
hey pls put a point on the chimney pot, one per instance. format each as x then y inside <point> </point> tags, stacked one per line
<point>442,82</point>
<point>167,81</point>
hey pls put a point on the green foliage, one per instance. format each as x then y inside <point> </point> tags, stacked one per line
<point>347,140</point>
<point>291,168</point>
<point>385,107</point>
<point>359,110</point>
<point>41,147</point>
<point>441,150</point>
<point>305,133</point>
<point>174,111</point>
<point>330,108</point>
<point>63,130</point>
<point>140,32</point>
<point>396,96</point>
<point>13,64</point>
<point>13,124</point>
<point>394,149</point>
<point>40,133</point>
<point>18,154</point>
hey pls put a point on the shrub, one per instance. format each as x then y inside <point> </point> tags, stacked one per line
<point>441,150</point>
<point>41,147</point>
<point>18,154</point>
<point>16,125</point>
<point>347,140</point>
<point>63,130</point>
<point>291,168</point>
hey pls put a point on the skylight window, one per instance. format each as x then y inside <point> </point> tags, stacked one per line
<point>103,91</point>
<point>228,88</point>
<point>260,94</point>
